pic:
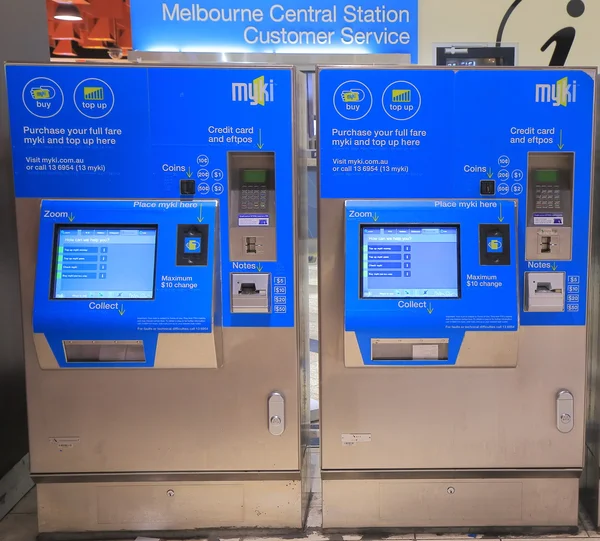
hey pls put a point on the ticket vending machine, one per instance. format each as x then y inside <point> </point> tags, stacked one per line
<point>162,269</point>
<point>454,215</point>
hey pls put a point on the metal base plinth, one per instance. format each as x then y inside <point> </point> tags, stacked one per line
<point>81,508</point>
<point>485,504</point>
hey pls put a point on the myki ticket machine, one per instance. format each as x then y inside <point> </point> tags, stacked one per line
<point>454,216</point>
<point>159,237</point>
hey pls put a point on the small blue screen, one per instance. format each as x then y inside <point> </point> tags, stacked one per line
<point>410,262</point>
<point>104,263</point>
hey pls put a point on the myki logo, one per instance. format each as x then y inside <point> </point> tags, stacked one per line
<point>256,92</point>
<point>559,94</point>
<point>495,245</point>
<point>192,245</point>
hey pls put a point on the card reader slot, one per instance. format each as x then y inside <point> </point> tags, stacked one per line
<point>104,352</point>
<point>409,349</point>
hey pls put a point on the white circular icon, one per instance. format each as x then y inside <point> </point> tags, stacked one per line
<point>503,161</point>
<point>352,100</point>
<point>203,174</point>
<point>203,188</point>
<point>202,160</point>
<point>43,97</point>
<point>503,188</point>
<point>503,174</point>
<point>218,188</point>
<point>517,175</point>
<point>217,174</point>
<point>401,100</point>
<point>94,98</point>
<point>517,189</point>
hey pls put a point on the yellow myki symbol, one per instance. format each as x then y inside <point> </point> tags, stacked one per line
<point>43,93</point>
<point>562,92</point>
<point>192,245</point>
<point>350,96</point>
<point>401,96</point>
<point>494,244</point>
<point>93,93</point>
<point>258,90</point>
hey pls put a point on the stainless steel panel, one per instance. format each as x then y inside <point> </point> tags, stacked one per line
<point>167,419</point>
<point>173,422</point>
<point>304,62</point>
<point>591,478</point>
<point>138,506</point>
<point>415,421</point>
<point>517,502</point>
<point>448,499</point>
<point>487,427</point>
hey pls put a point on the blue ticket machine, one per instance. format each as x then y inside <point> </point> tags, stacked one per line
<point>454,209</point>
<point>158,221</point>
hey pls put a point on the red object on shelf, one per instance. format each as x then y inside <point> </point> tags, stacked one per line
<point>64,48</point>
<point>65,30</point>
<point>106,24</point>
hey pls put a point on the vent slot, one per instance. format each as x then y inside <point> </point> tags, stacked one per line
<point>109,351</point>
<point>409,349</point>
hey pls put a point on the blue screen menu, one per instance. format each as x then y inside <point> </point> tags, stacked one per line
<point>410,262</point>
<point>104,263</point>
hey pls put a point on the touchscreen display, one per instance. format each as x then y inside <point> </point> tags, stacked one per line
<point>96,262</point>
<point>401,261</point>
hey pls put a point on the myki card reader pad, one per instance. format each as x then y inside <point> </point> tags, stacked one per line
<point>192,244</point>
<point>494,244</point>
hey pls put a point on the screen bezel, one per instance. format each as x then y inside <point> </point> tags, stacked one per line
<point>409,226</point>
<point>61,227</point>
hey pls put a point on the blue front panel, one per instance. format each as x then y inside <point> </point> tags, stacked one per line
<point>88,288</point>
<point>134,132</point>
<point>402,134</point>
<point>439,291</point>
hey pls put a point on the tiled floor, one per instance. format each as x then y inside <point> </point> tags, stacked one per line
<point>21,523</point>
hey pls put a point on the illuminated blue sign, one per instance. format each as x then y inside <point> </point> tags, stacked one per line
<point>240,26</point>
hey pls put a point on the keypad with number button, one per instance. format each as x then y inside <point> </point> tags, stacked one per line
<point>253,199</point>
<point>547,198</point>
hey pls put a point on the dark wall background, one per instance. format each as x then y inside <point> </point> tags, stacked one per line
<point>23,38</point>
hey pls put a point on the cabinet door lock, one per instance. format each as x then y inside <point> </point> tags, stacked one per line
<point>276,414</point>
<point>564,411</point>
